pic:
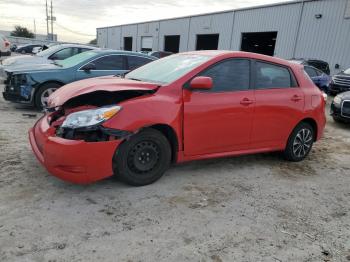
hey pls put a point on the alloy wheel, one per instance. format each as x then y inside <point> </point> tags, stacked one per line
<point>45,95</point>
<point>302,143</point>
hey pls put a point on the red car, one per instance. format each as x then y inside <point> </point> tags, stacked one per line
<point>187,106</point>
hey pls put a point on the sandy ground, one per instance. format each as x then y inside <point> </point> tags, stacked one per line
<point>251,208</point>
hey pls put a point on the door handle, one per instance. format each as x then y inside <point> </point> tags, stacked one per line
<point>296,98</point>
<point>246,102</point>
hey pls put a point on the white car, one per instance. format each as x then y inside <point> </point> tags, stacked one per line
<point>4,46</point>
<point>56,52</point>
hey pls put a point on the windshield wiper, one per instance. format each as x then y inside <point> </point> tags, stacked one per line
<point>135,79</point>
<point>57,64</point>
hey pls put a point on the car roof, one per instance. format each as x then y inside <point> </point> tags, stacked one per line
<point>111,51</point>
<point>76,45</point>
<point>228,54</point>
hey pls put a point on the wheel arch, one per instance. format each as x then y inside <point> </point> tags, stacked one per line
<point>37,88</point>
<point>312,122</point>
<point>170,134</point>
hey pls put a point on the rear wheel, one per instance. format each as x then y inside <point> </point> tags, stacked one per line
<point>300,142</point>
<point>42,95</point>
<point>143,158</point>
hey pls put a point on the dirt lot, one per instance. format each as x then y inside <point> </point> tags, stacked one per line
<point>251,208</point>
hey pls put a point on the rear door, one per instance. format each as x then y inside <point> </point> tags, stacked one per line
<point>105,65</point>
<point>220,119</point>
<point>279,104</point>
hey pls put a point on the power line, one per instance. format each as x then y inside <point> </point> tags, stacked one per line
<point>74,32</point>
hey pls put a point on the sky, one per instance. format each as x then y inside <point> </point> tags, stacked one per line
<point>77,20</point>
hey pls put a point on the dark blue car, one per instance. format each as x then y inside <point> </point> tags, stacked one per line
<point>321,79</point>
<point>32,84</point>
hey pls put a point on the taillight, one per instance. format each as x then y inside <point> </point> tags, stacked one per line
<point>7,44</point>
<point>324,96</point>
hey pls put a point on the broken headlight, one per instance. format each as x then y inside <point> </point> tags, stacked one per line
<point>90,117</point>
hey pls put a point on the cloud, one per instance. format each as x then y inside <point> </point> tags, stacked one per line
<point>85,16</point>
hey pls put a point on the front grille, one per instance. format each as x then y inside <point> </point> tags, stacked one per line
<point>345,110</point>
<point>341,81</point>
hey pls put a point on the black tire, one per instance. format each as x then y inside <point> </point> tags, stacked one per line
<point>142,159</point>
<point>37,99</point>
<point>23,52</point>
<point>299,142</point>
<point>338,119</point>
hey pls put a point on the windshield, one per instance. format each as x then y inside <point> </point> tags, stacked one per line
<point>168,69</point>
<point>76,59</point>
<point>50,51</point>
<point>347,71</point>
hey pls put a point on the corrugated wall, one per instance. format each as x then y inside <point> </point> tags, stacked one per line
<point>148,29</point>
<point>326,38</point>
<point>283,19</point>
<point>127,31</point>
<point>102,36</point>
<point>113,40</point>
<point>175,27</point>
<point>211,24</point>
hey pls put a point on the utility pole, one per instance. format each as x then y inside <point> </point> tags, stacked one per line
<point>51,22</point>
<point>34,29</point>
<point>47,22</point>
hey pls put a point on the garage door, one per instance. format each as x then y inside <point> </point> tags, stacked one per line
<point>146,43</point>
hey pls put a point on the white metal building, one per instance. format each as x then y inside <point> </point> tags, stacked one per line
<point>298,29</point>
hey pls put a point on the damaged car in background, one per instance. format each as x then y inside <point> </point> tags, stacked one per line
<point>33,84</point>
<point>184,107</point>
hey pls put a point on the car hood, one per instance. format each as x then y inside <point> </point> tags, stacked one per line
<point>26,68</point>
<point>24,59</point>
<point>105,83</point>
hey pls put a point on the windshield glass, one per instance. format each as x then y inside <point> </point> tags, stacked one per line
<point>168,69</point>
<point>49,51</point>
<point>347,71</point>
<point>76,59</point>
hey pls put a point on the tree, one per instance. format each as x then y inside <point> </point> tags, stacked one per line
<point>93,42</point>
<point>22,32</point>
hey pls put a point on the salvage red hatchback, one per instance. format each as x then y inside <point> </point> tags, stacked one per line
<point>183,107</point>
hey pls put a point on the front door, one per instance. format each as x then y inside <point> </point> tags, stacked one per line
<point>220,120</point>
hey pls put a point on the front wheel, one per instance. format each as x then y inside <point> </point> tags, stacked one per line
<point>299,143</point>
<point>42,95</point>
<point>143,158</point>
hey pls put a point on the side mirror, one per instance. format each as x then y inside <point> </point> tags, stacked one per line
<point>88,67</point>
<point>201,82</point>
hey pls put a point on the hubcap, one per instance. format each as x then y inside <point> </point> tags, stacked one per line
<point>302,143</point>
<point>143,157</point>
<point>45,95</point>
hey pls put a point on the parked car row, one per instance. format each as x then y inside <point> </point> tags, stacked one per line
<point>34,78</point>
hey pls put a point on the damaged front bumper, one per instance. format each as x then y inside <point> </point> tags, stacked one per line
<point>76,161</point>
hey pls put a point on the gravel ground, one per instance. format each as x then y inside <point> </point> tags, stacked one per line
<point>250,208</point>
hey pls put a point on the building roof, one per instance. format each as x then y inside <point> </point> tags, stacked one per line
<point>214,13</point>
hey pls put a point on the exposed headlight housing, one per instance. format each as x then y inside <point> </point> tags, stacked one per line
<point>90,117</point>
<point>337,100</point>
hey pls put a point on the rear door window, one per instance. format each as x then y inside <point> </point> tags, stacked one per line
<point>272,76</point>
<point>310,71</point>
<point>137,61</point>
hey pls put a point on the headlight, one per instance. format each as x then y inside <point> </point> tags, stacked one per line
<point>337,100</point>
<point>90,117</point>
